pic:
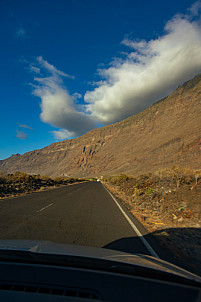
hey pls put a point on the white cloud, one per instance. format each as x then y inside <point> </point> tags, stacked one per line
<point>21,135</point>
<point>34,69</point>
<point>51,69</point>
<point>57,105</point>
<point>62,134</point>
<point>149,71</point>
<point>195,8</point>
<point>25,126</point>
<point>21,33</point>
<point>77,95</point>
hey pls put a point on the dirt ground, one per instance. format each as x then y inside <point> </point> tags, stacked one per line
<point>170,209</point>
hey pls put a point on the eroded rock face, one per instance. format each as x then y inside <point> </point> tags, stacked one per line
<point>165,134</point>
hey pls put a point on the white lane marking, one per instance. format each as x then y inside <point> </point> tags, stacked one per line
<point>144,241</point>
<point>49,205</point>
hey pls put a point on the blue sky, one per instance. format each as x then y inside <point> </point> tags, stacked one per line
<point>73,65</point>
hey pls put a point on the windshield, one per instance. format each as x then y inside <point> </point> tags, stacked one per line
<point>100,117</point>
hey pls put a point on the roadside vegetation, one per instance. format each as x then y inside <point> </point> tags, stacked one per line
<point>168,204</point>
<point>167,197</point>
<point>22,183</point>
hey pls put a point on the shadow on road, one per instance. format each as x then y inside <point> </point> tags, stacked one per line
<point>180,246</point>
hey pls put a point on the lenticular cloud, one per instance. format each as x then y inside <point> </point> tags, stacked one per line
<point>148,72</point>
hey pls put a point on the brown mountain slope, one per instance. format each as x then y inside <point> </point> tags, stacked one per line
<point>165,134</point>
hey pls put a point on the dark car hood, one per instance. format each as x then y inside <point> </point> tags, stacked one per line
<point>68,250</point>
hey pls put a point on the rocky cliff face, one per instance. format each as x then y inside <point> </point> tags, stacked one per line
<point>165,134</point>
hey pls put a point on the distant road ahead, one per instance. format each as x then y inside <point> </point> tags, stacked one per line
<point>81,214</point>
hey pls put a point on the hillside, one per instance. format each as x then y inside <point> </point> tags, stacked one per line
<point>165,134</point>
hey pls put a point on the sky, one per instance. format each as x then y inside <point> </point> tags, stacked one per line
<point>69,66</point>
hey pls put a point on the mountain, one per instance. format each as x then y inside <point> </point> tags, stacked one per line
<point>165,134</point>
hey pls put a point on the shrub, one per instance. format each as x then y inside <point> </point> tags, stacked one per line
<point>58,179</point>
<point>93,179</point>
<point>120,179</point>
<point>137,192</point>
<point>44,177</point>
<point>150,191</point>
<point>20,176</point>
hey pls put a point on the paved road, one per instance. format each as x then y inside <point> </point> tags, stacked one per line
<point>82,214</point>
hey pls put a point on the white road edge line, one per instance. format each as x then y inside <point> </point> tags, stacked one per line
<point>144,241</point>
<point>49,205</point>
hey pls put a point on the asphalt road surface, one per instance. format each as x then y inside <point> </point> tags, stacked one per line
<point>81,214</point>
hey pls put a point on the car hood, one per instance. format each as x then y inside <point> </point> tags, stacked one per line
<point>46,247</point>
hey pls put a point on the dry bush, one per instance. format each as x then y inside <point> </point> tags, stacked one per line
<point>58,179</point>
<point>119,179</point>
<point>176,175</point>
<point>44,178</point>
<point>17,176</point>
